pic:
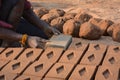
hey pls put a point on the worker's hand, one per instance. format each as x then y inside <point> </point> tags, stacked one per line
<point>49,31</point>
<point>34,42</point>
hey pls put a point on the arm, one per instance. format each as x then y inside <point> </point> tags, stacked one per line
<point>7,34</point>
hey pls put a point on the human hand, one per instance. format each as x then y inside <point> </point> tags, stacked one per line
<point>35,42</point>
<point>49,31</point>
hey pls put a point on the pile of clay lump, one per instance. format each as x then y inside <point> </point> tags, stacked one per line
<point>81,24</point>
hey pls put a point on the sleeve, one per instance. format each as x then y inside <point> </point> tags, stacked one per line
<point>27,5</point>
<point>5,25</point>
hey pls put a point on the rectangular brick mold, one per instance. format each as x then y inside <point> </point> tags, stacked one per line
<point>3,63</point>
<point>107,73</point>
<point>71,56</point>
<point>77,44</point>
<point>52,79</point>
<point>38,68</point>
<point>11,53</point>
<point>27,77</point>
<point>16,66</point>
<point>60,70</point>
<point>83,72</point>
<point>114,50</point>
<point>51,55</point>
<point>92,58</point>
<point>60,41</point>
<point>97,47</point>
<point>7,76</point>
<point>30,54</point>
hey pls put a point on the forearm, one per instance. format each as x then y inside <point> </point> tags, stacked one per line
<point>30,16</point>
<point>10,35</point>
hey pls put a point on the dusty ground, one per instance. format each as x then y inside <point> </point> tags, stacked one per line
<point>106,9</point>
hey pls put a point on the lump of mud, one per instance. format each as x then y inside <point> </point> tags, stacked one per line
<point>57,12</point>
<point>95,21</point>
<point>41,11</point>
<point>116,33</point>
<point>48,17</point>
<point>82,17</point>
<point>58,23</point>
<point>68,16</point>
<point>89,31</point>
<point>104,25</point>
<point>71,27</point>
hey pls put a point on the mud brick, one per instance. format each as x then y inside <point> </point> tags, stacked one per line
<point>51,54</point>
<point>7,76</point>
<point>1,50</point>
<point>11,53</point>
<point>52,79</point>
<point>38,68</point>
<point>114,50</point>
<point>71,56</point>
<point>92,58</point>
<point>60,70</point>
<point>77,44</point>
<point>3,63</point>
<point>28,77</point>
<point>97,47</point>
<point>16,66</point>
<point>30,54</point>
<point>111,59</point>
<point>83,72</point>
<point>60,41</point>
<point>107,73</point>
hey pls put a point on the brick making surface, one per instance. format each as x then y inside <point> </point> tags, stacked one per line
<point>113,50</point>
<point>71,56</point>
<point>51,55</point>
<point>52,79</point>
<point>60,70</point>
<point>3,63</point>
<point>77,44</point>
<point>30,54</point>
<point>11,53</point>
<point>92,58</point>
<point>83,72</point>
<point>1,50</point>
<point>7,76</point>
<point>28,77</point>
<point>16,66</point>
<point>38,68</point>
<point>107,73</point>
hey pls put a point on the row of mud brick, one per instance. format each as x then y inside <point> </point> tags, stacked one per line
<point>81,61</point>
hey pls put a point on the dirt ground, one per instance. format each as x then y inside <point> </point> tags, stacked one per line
<point>105,9</point>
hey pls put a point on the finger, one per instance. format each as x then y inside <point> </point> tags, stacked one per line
<point>43,40</point>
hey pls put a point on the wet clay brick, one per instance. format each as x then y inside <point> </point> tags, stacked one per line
<point>97,47</point>
<point>92,58</point>
<point>71,56</point>
<point>27,77</point>
<point>38,68</point>
<point>114,50</point>
<point>111,59</point>
<point>3,63</point>
<point>83,72</point>
<point>1,50</point>
<point>16,66</point>
<point>52,79</point>
<point>51,55</point>
<point>11,53</point>
<point>60,41</point>
<point>107,73</point>
<point>77,44</point>
<point>7,76</point>
<point>30,54</point>
<point>60,70</point>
